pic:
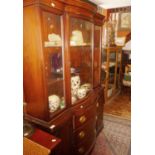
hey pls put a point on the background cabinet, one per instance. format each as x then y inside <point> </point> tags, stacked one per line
<point>62,60</point>
<point>111,70</point>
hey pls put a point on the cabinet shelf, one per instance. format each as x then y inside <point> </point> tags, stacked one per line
<point>53,81</point>
<point>46,45</point>
<point>111,64</point>
<point>84,45</point>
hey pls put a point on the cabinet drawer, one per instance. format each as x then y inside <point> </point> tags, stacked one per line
<point>87,102</point>
<point>85,132</point>
<point>85,147</point>
<point>81,117</point>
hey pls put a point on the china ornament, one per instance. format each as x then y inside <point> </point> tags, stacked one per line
<point>54,102</point>
<point>75,82</point>
<point>81,93</point>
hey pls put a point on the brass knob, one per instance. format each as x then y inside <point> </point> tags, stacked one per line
<point>53,5</point>
<point>82,119</point>
<point>97,105</point>
<point>82,134</point>
<point>81,150</point>
<point>52,127</point>
<point>81,107</point>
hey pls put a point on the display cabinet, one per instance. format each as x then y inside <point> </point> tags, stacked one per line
<point>62,61</point>
<point>111,70</point>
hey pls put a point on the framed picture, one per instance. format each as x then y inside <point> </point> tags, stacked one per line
<point>124,21</point>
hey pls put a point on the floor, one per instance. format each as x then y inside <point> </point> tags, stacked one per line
<point>120,106</point>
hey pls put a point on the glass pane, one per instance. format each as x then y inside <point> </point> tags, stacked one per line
<point>81,58</point>
<point>103,66</point>
<point>112,68</point>
<point>53,59</point>
<point>97,50</point>
<point>118,85</point>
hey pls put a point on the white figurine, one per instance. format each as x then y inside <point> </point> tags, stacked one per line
<point>87,86</point>
<point>74,99</point>
<point>81,93</point>
<point>54,102</point>
<point>75,82</point>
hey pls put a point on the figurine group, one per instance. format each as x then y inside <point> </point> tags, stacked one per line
<point>78,91</point>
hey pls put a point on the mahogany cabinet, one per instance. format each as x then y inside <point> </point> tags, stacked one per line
<point>62,70</point>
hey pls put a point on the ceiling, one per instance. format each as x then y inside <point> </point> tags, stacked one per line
<point>107,4</point>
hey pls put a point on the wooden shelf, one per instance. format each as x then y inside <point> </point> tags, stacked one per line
<point>51,81</point>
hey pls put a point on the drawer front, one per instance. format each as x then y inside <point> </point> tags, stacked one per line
<point>85,147</point>
<point>84,104</point>
<point>82,117</point>
<point>85,132</point>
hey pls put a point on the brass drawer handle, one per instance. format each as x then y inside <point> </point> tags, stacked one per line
<point>97,105</point>
<point>82,134</point>
<point>82,119</point>
<point>81,150</point>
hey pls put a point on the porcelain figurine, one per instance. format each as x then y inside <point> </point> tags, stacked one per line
<point>81,93</point>
<point>74,92</point>
<point>74,99</point>
<point>54,102</point>
<point>76,38</point>
<point>87,86</point>
<point>75,82</point>
<point>54,37</point>
<point>62,103</point>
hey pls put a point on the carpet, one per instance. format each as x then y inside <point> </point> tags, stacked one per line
<point>115,138</point>
<point>101,146</point>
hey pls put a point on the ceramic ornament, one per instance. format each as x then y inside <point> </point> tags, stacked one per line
<point>75,82</point>
<point>86,86</point>
<point>62,103</point>
<point>54,102</point>
<point>81,93</point>
<point>54,37</point>
<point>74,99</point>
<point>74,92</point>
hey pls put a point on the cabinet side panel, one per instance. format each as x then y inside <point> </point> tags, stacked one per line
<point>34,88</point>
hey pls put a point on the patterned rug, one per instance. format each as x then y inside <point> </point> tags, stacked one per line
<point>115,138</point>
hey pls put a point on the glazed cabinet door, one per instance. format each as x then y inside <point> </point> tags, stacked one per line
<point>109,70</point>
<point>97,55</point>
<point>81,37</point>
<point>53,53</point>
